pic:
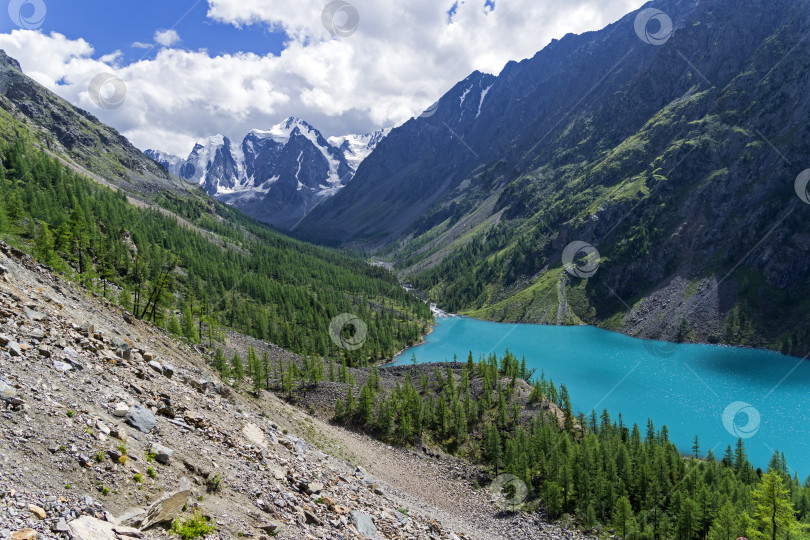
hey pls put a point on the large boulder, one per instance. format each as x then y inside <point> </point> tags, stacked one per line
<point>364,524</point>
<point>90,528</point>
<point>141,418</point>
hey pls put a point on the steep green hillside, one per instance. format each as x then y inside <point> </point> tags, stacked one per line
<point>168,253</point>
<point>677,162</point>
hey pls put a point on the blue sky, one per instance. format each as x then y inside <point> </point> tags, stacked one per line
<point>237,65</point>
<point>110,28</point>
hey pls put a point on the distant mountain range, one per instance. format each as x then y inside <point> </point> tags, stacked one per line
<point>277,176</point>
<point>672,153</point>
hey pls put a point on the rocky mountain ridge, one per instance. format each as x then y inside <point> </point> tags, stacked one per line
<point>276,176</point>
<point>676,158</point>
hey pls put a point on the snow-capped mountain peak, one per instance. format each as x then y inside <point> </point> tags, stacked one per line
<point>276,175</point>
<point>357,148</point>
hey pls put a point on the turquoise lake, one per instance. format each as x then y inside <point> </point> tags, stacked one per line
<point>710,391</point>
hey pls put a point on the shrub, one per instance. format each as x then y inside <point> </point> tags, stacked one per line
<point>195,526</point>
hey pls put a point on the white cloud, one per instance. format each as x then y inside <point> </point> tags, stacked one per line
<point>340,85</point>
<point>167,38</point>
<point>142,45</point>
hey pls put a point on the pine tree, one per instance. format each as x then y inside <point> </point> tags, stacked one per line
<point>623,519</point>
<point>174,326</point>
<point>220,364</point>
<point>237,367</point>
<point>187,325</point>
<point>725,527</point>
<point>774,516</point>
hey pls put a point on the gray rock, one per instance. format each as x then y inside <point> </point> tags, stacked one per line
<point>14,348</point>
<point>6,391</point>
<point>70,352</point>
<point>166,509</point>
<point>168,370</point>
<point>141,419</point>
<point>120,410</point>
<point>36,333</point>
<point>154,364</point>
<point>33,315</point>
<point>90,528</point>
<point>64,367</point>
<point>162,453</point>
<point>364,524</point>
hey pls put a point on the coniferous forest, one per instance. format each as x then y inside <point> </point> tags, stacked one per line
<point>216,269</point>
<point>631,480</point>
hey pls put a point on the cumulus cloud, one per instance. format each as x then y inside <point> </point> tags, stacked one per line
<point>355,83</point>
<point>167,38</point>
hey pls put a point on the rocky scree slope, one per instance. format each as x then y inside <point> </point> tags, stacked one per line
<point>109,425</point>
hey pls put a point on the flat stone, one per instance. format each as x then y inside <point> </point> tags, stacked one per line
<point>120,410</point>
<point>64,367</point>
<point>70,352</point>
<point>37,511</point>
<point>36,333</point>
<point>141,419</point>
<point>4,340</point>
<point>14,348</point>
<point>33,315</point>
<point>364,524</point>
<point>90,528</point>
<point>166,509</point>
<point>311,518</point>
<point>162,453</point>
<point>313,487</point>
<point>24,534</point>
<point>255,435</point>
<point>168,370</point>
<point>271,527</point>
<point>148,357</point>
<point>7,393</point>
<point>61,526</point>
<point>154,364</point>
